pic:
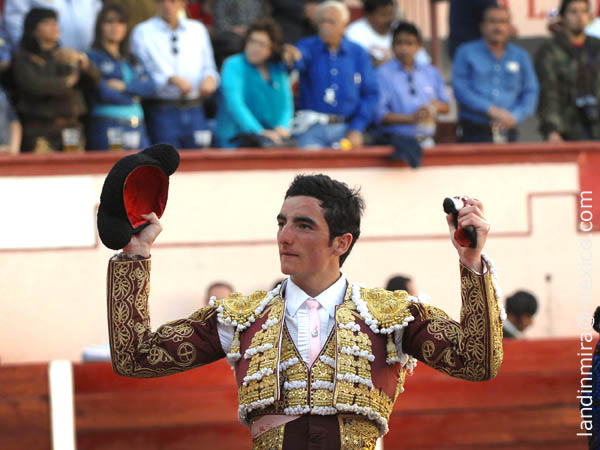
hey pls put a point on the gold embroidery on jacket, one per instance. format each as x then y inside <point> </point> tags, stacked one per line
<point>357,433</point>
<point>476,351</point>
<point>496,326</point>
<point>136,350</point>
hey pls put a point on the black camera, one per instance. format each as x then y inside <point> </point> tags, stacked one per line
<point>588,105</point>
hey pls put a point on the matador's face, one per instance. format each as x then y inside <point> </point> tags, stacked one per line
<point>303,240</point>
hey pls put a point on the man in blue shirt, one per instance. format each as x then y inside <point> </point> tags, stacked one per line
<point>338,85</point>
<point>494,83</point>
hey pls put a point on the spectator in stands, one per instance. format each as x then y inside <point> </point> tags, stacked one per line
<point>494,83</point>
<point>255,95</point>
<point>338,85</point>
<point>231,19</point>
<point>10,127</point>
<point>76,19</point>
<point>137,10</point>
<point>178,54</point>
<point>297,18</point>
<point>568,67</point>
<point>520,309</point>
<point>373,31</point>
<point>411,95</point>
<point>402,283</point>
<point>118,118</point>
<point>50,81</point>
<point>219,290</point>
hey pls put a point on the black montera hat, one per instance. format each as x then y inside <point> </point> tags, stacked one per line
<point>137,184</point>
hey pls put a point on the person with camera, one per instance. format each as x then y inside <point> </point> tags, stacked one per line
<point>568,71</point>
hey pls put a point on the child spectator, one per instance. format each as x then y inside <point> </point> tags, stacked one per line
<point>410,98</point>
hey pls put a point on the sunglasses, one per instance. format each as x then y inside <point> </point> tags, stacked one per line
<point>174,48</point>
<point>114,21</point>
<point>411,84</point>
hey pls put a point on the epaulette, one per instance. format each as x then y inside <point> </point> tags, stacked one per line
<point>383,311</point>
<point>240,311</point>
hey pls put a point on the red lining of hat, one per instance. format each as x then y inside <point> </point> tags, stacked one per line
<point>462,237</point>
<point>145,191</point>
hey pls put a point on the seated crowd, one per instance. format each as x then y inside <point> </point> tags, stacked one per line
<point>248,83</point>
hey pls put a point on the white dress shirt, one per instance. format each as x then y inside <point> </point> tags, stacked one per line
<point>185,52</point>
<point>379,46</point>
<point>297,313</point>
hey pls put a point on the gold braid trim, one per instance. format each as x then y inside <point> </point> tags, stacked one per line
<point>136,351</point>
<point>471,350</point>
<point>259,388</point>
<point>270,440</point>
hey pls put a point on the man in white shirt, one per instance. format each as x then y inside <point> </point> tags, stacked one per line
<point>374,32</point>
<point>318,359</point>
<point>178,55</point>
<point>76,19</point>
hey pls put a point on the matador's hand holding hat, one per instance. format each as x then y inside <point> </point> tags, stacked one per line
<point>136,185</point>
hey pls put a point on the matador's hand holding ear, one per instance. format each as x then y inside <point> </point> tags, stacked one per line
<point>468,231</point>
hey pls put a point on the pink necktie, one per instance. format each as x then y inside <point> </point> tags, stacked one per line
<point>314,327</point>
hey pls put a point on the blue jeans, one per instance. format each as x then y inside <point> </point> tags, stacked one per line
<point>180,127</point>
<point>97,134</point>
<point>319,136</point>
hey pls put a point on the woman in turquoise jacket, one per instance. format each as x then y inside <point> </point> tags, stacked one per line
<point>255,95</point>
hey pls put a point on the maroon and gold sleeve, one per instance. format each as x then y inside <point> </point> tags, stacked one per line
<point>138,352</point>
<point>471,349</point>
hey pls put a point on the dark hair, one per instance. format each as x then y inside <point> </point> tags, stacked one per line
<point>100,18</point>
<point>29,42</point>
<point>565,3</point>
<point>407,28</point>
<point>343,207</point>
<point>485,10</point>
<point>521,303</point>
<point>219,284</point>
<point>370,6</point>
<point>274,32</point>
<point>398,283</point>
